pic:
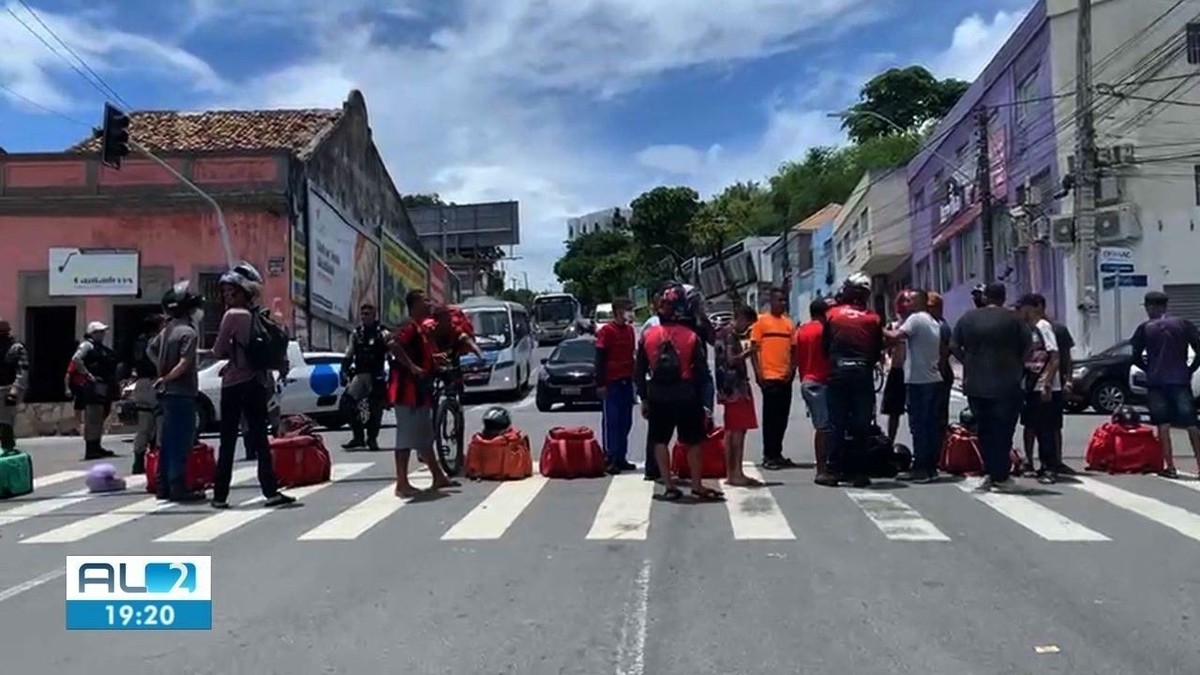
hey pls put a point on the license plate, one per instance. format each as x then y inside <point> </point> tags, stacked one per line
<point>476,377</point>
<point>572,391</point>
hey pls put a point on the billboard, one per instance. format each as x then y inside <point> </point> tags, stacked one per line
<point>467,226</point>
<point>343,269</point>
<point>403,271</point>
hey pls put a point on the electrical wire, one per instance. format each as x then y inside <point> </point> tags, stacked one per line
<point>46,109</point>
<point>98,82</point>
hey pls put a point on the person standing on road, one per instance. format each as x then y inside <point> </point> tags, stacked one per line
<point>364,376</point>
<point>1042,415</point>
<point>925,352</point>
<point>410,391</point>
<point>734,392</point>
<point>14,380</point>
<point>650,471</point>
<point>177,386</point>
<point>813,369</point>
<point>1160,349</point>
<point>671,367</point>
<point>615,346</point>
<point>992,343</point>
<point>95,363</point>
<point>145,399</point>
<point>894,394</point>
<point>936,309</point>
<point>245,387</point>
<point>771,356</point>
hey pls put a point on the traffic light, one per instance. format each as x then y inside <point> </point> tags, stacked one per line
<point>114,137</point>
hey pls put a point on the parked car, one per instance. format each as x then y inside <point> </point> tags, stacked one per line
<point>568,375</point>
<point>1137,380</point>
<point>1101,382</point>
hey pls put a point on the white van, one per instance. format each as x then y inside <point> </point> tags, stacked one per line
<point>504,333</point>
<point>604,313</point>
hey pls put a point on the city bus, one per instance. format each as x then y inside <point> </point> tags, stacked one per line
<point>554,314</point>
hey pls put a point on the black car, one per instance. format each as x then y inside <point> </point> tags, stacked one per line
<point>568,375</point>
<point>1102,381</point>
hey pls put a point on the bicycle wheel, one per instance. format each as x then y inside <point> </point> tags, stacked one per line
<point>448,423</point>
<point>880,379</point>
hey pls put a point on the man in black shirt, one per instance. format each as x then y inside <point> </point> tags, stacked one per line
<point>992,342</point>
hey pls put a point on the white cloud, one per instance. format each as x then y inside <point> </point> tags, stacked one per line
<point>975,42</point>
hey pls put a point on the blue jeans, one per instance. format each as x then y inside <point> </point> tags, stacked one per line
<point>851,401</point>
<point>178,434</point>
<point>617,420</point>
<point>996,419</point>
<point>923,421</point>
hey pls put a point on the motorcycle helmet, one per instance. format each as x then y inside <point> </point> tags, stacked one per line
<point>179,300</point>
<point>902,457</point>
<point>104,478</point>
<point>496,421</point>
<point>966,418</point>
<point>244,276</point>
<point>1127,417</point>
<point>672,302</point>
<point>856,288</point>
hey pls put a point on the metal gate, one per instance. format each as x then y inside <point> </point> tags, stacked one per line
<point>1184,301</point>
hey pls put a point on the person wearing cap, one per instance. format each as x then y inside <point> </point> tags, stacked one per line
<point>1160,348</point>
<point>95,364</point>
<point>1043,409</point>
<point>245,389</point>
<point>14,379</point>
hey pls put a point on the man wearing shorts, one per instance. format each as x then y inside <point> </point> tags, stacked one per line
<point>895,399</point>
<point>813,367</point>
<point>1160,349</point>
<point>410,390</point>
<point>671,371</point>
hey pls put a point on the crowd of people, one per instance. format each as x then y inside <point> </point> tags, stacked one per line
<point>1015,363</point>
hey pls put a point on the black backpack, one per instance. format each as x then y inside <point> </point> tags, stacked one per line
<point>268,345</point>
<point>667,367</point>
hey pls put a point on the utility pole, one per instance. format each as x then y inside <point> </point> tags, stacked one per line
<point>1085,179</point>
<point>983,179</point>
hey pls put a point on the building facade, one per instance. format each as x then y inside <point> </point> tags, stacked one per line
<point>871,235</point>
<point>597,221</point>
<point>1016,90</point>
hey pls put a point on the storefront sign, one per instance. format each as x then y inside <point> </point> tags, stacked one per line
<point>439,280</point>
<point>93,271</point>
<point>403,271</point>
<point>331,259</point>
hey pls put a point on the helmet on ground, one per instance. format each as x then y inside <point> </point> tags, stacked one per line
<point>672,302</point>
<point>104,478</point>
<point>179,300</point>
<point>1127,417</point>
<point>496,421</point>
<point>244,276</point>
<point>966,418</point>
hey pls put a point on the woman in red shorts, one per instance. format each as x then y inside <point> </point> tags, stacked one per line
<point>733,392</point>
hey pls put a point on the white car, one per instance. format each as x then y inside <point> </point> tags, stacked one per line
<point>1137,380</point>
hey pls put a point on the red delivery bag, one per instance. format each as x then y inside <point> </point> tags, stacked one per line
<point>1136,450</point>
<point>300,460</point>
<point>571,453</point>
<point>199,470</point>
<point>1101,447</point>
<point>960,453</point>
<point>712,456</point>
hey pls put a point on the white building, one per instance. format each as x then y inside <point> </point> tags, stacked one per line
<point>872,234</point>
<point>1146,68</point>
<point>595,222</point>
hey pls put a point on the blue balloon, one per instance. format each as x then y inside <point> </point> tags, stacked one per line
<point>325,379</point>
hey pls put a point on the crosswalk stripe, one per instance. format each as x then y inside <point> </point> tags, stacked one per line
<point>82,529</point>
<point>225,522</point>
<point>356,520</point>
<point>46,506</point>
<point>1038,519</point>
<point>898,521</point>
<point>754,513</point>
<point>1181,520</point>
<point>1190,483</point>
<point>625,511</point>
<point>56,478</point>
<point>497,512</point>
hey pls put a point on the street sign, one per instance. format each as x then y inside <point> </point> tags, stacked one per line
<point>1116,268</point>
<point>1126,280</point>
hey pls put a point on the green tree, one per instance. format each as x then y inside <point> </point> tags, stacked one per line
<point>598,266</point>
<point>906,97</point>
<point>660,226</point>
<point>422,200</point>
<point>523,296</point>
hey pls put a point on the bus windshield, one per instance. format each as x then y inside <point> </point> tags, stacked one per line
<point>493,328</point>
<point>554,310</point>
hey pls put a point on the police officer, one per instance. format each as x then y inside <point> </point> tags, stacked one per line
<point>96,364</point>
<point>364,376</point>
<point>14,378</point>
<point>145,400</point>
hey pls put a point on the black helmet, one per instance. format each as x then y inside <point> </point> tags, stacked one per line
<point>1127,417</point>
<point>496,421</point>
<point>179,300</point>
<point>966,418</point>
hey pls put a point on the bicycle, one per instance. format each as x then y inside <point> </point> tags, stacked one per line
<point>448,419</point>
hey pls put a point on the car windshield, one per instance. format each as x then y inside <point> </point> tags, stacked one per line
<point>554,311</point>
<point>575,351</point>
<point>493,329</point>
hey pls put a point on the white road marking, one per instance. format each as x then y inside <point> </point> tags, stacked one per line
<point>227,521</point>
<point>9,593</point>
<point>496,513</point>
<point>625,511</point>
<point>354,521</point>
<point>1181,520</point>
<point>1190,483</point>
<point>42,507</point>
<point>754,513</point>
<point>1041,520</point>
<point>898,521</point>
<point>631,650</point>
<point>103,522</point>
<point>56,478</point>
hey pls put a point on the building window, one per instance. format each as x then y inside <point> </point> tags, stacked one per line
<point>1026,97</point>
<point>944,272</point>
<point>923,274</point>
<point>210,290</point>
<point>1193,43</point>
<point>968,255</point>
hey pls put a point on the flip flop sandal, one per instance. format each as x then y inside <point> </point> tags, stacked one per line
<point>708,495</point>
<point>672,495</point>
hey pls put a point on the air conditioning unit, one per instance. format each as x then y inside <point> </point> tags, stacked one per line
<point>1040,230</point>
<point>1117,224</point>
<point>1104,156</point>
<point>1108,189</point>
<point>1062,231</point>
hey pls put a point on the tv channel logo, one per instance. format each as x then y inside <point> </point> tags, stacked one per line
<point>139,593</point>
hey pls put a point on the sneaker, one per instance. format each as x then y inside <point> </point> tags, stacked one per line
<point>1064,470</point>
<point>917,476</point>
<point>612,469</point>
<point>279,499</point>
<point>826,479</point>
<point>1008,485</point>
<point>354,444</point>
<point>1046,478</point>
<point>627,466</point>
<point>220,505</point>
<point>860,482</point>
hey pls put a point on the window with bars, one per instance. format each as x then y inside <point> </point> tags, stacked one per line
<point>1193,43</point>
<point>213,308</point>
<point>945,269</point>
<point>1026,97</point>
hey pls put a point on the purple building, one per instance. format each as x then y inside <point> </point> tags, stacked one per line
<point>947,249</point>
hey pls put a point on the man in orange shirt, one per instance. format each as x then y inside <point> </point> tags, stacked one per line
<point>813,366</point>
<point>771,341</point>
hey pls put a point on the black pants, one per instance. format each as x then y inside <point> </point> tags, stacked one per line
<point>776,408</point>
<point>249,400</point>
<point>996,419</point>
<point>376,401</point>
<point>851,401</point>
<point>1046,420</point>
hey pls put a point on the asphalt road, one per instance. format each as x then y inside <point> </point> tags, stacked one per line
<point>594,577</point>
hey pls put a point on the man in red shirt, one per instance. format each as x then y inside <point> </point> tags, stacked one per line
<point>615,346</point>
<point>812,366</point>
<point>410,390</point>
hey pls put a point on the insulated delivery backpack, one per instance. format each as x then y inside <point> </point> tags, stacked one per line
<point>268,346</point>
<point>669,348</point>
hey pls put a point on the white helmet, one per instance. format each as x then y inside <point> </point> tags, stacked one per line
<point>858,280</point>
<point>244,276</point>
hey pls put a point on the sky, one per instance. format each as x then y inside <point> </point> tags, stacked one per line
<point>566,106</point>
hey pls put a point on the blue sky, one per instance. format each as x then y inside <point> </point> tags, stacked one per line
<point>566,106</point>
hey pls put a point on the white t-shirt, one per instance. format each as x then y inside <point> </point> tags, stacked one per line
<point>1043,338</point>
<point>924,349</point>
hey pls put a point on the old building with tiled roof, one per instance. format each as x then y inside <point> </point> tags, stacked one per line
<point>305,195</point>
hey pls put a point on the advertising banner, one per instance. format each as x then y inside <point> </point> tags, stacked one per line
<point>403,271</point>
<point>439,280</point>
<point>366,275</point>
<point>331,258</point>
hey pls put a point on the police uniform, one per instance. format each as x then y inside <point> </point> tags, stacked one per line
<point>14,378</point>
<point>365,377</point>
<point>95,358</point>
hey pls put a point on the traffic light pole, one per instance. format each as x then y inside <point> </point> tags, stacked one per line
<point>225,242</point>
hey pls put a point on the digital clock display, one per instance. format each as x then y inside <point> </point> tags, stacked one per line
<point>139,593</point>
<point>139,615</point>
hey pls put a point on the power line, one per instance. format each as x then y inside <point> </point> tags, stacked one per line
<point>72,52</point>
<point>46,109</point>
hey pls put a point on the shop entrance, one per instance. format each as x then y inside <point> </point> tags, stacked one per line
<point>50,339</point>
<point>128,322</point>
